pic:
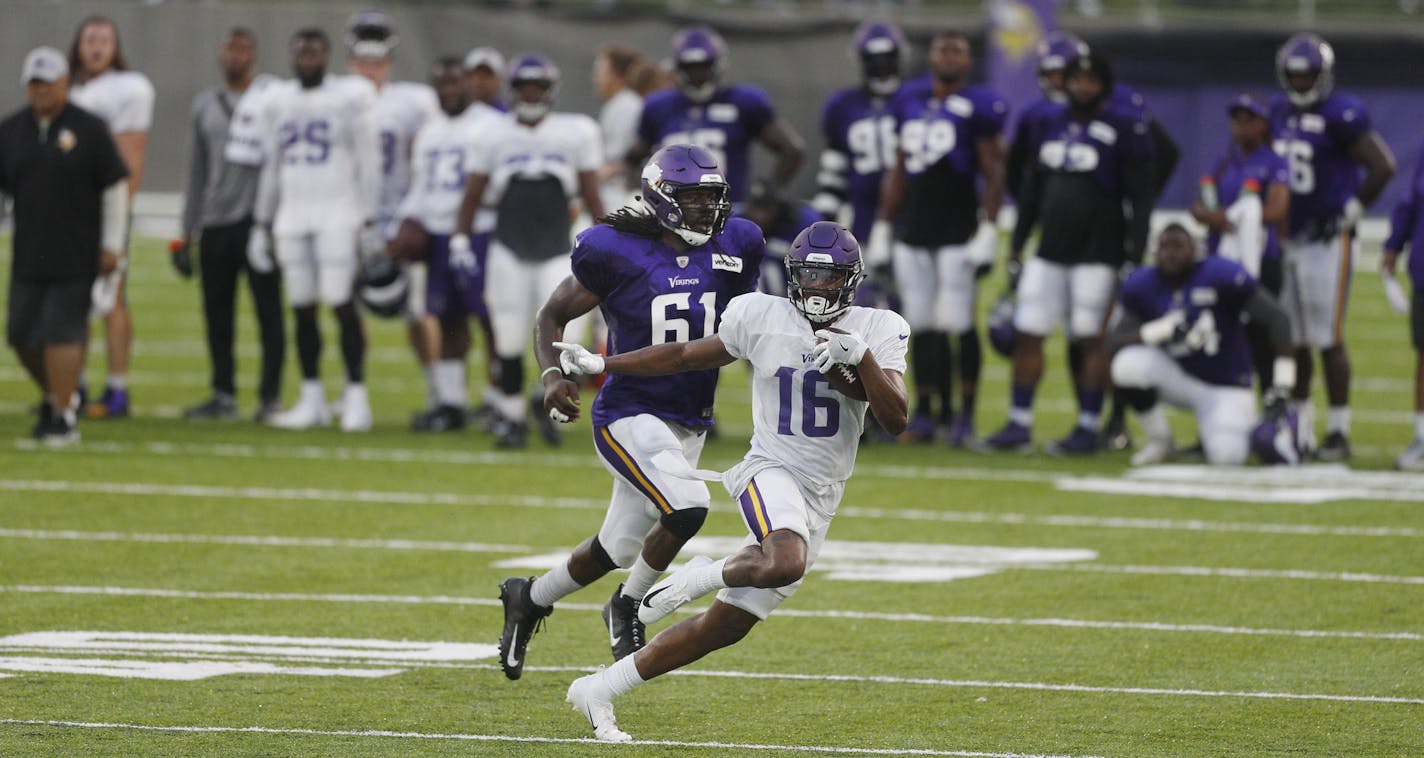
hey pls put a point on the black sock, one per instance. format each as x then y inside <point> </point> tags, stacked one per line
<point>353,342</point>
<point>308,341</point>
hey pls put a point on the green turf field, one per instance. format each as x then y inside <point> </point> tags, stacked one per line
<point>179,588</point>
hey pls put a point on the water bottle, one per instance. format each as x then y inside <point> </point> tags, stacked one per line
<point>1208,193</point>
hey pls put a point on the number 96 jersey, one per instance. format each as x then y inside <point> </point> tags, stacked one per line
<point>798,421</point>
<point>652,294</point>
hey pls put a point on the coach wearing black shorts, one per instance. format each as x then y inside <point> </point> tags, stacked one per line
<point>60,165</point>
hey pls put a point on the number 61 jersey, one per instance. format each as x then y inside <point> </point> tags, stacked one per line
<point>652,294</point>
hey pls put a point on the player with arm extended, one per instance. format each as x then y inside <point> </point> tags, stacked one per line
<point>1339,165</point>
<point>105,86</point>
<point>1093,162</point>
<point>1406,231</point>
<point>724,119</point>
<point>1181,339</point>
<point>661,271</point>
<point>936,228</point>
<point>317,191</point>
<point>804,440</point>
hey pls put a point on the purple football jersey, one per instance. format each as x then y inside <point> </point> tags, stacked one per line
<point>937,141</point>
<point>1216,284</point>
<point>1231,172</point>
<point>725,126</point>
<point>1315,142</point>
<point>860,126</point>
<point>652,294</point>
<point>1406,225</point>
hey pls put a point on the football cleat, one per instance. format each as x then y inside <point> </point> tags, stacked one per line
<point>59,430</point>
<point>961,431</point>
<point>1335,448</point>
<point>1013,438</point>
<point>441,418</point>
<point>671,593</point>
<point>1116,435</point>
<point>920,429</point>
<point>589,697</point>
<point>218,407</point>
<point>1412,459</point>
<point>355,409</point>
<point>114,403</point>
<point>626,632</point>
<point>522,618</point>
<point>509,435</point>
<point>483,417</point>
<point>1154,450</point>
<point>267,410</point>
<point>311,409</point>
<point>1080,441</point>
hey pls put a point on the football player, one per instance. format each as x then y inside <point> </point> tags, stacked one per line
<point>318,192</point>
<point>804,440</point>
<point>531,163</point>
<point>1406,231</point>
<point>661,271</point>
<point>104,85</point>
<point>484,78</point>
<point>401,109</point>
<point>1327,138</point>
<point>1182,340</point>
<point>1251,183</point>
<point>935,227</point>
<point>725,119</point>
<point>1091,192</point>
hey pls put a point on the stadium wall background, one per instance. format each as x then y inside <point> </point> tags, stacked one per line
<point>1186,73</point>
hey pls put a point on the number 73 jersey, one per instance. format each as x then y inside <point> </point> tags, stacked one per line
<point>797,419</point>
<point>650,293</point>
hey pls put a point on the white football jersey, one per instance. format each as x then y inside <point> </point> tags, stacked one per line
<point>322,154</point>
<point>482,117</point>
<point>401,109</point>
<point>440,160</point>
<point>124,99</point>
<point>246,133</point>
<point>561,145</point>
<point>797,419</point>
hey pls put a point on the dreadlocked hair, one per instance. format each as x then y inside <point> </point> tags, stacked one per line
<point>633,219</point>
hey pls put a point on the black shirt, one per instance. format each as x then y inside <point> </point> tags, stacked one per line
<point>57,177</point>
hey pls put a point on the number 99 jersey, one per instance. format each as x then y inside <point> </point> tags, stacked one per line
<point>797,419</point>
<point>652,294</point>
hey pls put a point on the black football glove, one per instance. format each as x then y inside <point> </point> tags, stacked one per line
<point>181,256</point>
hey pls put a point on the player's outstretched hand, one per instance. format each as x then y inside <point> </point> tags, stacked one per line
<point>838,347</point>
<point>576,359</point>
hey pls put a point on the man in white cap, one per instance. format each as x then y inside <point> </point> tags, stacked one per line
<point>61,166</point>
<point>484,77</point>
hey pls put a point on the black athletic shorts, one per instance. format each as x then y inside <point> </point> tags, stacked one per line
<point>48,313</point>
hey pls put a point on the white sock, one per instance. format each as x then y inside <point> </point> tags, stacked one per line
<point>1338,419</point>
<point>1419,426</point>
<point>553,586</point>
<point>640,578</point>
<point>450,383</point>
<point>1088,420</point>
<point>432,386</point>
<point>491,396</point>
<point>1021,416</point>
<point>1154,423</point>
<point>118,381</point>
<point>622,677</point>
<point>703,580</point>
<point>510,407</point>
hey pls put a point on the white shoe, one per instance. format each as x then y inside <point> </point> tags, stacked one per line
<point>309,411</point>
<point>355,409</point>
<point>671,593</point>
<point>1154,450</point>
<point>587,695</point>
<point>1412,459</point>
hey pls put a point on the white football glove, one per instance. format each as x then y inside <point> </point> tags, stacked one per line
<point>1162,329</point>
<point>576,359</point>
<point>877,247</point>
<point>104,293</point>
<point>983,247</point>
<point>462,258</point>
<point>1351,214</point>
<point>839,347</point>
<point>259,250</point>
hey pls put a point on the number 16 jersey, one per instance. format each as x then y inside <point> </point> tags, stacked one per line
<point>652,294</point>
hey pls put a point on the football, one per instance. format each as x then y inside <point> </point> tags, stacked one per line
<point>410,242</point>
<point>845,379</point>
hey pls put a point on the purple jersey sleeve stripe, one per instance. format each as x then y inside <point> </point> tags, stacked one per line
<point>754,511</point>
<point>624,465</point>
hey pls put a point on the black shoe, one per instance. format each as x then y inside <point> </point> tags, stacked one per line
<point>1116,435</point>
<point>625,631</point>
<point>267,410</point>
<point>548,428</point>
<point>443,418</point>
<point>484,418</point>
<point>1335,448</point>
<point>522,618</point>
<point>46,418</point>
<point>59,430</point>
<point>218,407</point>
<point>511,436</point>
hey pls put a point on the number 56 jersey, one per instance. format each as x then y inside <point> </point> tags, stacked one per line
<point>798,421</point>
<point>652,294</point>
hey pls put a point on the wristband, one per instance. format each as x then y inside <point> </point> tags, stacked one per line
<point>546,371</point>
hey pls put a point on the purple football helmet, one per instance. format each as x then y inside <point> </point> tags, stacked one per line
<point>823,268</point>
<point>1276,440</point>
<point>694,46</point>
<point>668,181</point>
<point>537,69</point>
<point>1306,54</point>
<point>880,46</point>
<point>1054,52</point>
<point>1002,335</point>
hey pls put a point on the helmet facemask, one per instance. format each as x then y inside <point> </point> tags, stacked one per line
<point>822,290</point>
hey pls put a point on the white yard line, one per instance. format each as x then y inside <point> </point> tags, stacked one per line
<point>257,540</point>
<point>383,734</point>
<point>917,618</point>
<point>1235,573</point>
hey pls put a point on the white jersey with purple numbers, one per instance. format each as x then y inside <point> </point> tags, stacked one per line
<point>798,421</point>
<point>401,109</point>
<point>440,160</point>
<point>561,145</point>
<point>124,99</point>
<point>322,153</point>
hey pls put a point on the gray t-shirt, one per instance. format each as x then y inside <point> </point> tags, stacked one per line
<point>219,192</point>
